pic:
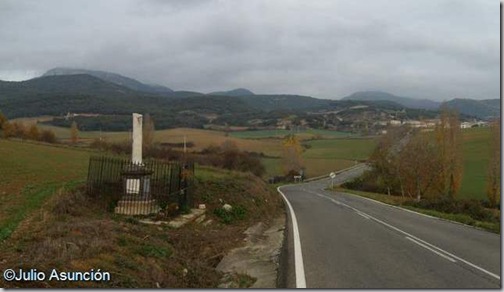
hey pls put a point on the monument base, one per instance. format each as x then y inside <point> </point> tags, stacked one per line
<point>136,207</point>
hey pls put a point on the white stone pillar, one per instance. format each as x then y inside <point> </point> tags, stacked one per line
<point>133,185</point>
<point>136,151</point>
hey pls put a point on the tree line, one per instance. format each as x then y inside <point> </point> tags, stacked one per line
<point>427,165</point>
<point>20,130</point>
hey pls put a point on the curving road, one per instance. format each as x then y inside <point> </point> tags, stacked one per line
<point>340,240</point>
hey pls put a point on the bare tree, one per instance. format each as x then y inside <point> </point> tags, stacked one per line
<point>385,157</point>
<point>449,143</point>
<point>420,165</point>
<point>292,150</point>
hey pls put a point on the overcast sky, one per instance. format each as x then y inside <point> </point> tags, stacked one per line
<point>433,49</point>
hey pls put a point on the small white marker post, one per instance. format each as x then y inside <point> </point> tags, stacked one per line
<point>332,175</point>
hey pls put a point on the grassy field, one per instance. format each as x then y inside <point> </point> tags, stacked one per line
<point>325,156</point>
<point>348,149</point>
<point>305,134</point>
<point>476,147</point>
<point>31,173</point>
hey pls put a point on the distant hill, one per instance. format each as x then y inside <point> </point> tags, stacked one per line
<point>405,101</point>
<point>55,95</point>
<point>483,109</point>
<point>234,92</point>
<point>111,77</point>
<point>271,102</point>
<point>184,94</point>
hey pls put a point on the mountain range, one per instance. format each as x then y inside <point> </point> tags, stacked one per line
<point>482,109</point>
<point>110,77</point>
<point>405,101</point>
<point>62,90</point>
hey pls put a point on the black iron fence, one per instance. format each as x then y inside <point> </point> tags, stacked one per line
<point>152,187</point>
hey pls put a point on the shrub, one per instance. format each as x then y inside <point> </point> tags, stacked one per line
<point>227,217</point>
<point>48,136</point>
<point>473,208</point>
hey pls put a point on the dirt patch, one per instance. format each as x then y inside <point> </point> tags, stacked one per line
<point>258,258</point>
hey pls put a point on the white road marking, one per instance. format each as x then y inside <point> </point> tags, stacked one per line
<point>434,251</point>
<point>446,253</point>
<point>363,215</point>
<point>298,254</point>
<point>388,205</point>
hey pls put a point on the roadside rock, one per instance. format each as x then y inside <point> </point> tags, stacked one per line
<point>259,257</point>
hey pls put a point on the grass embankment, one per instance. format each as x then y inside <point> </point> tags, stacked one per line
<point>64,229</point>
<point>403,202</point>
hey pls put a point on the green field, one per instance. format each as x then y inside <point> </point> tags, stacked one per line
<point>325,156</point>
<point>349,149</point>
<point>304,134</point>
<point>30,174</point>
<point>476,151</point>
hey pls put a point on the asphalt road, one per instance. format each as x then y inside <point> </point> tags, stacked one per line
<point>346,241</point>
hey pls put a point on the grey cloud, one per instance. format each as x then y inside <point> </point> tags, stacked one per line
<point>436,48</point>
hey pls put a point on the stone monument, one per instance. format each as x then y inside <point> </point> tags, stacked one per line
<point>137,199</point>
<point>133,185</point>
<point>136,150</point>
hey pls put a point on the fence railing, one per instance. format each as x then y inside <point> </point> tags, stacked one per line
<point>153,187</point>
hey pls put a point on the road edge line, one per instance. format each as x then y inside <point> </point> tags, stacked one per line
<point>416,238</point>
<point>418,213</point>
<point>298,254</point>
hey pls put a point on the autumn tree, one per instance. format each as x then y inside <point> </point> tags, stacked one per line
<point>33,132</point>
<point>148,132</point>
<point>292,150</point>
<point>8,130</point>
<point>19,130</point>
<point>494,167</point>
<point>3,120</point>
<point>384,159</point>
<point>419,166</point>
<point>448,137</point>
<point>74,133</point>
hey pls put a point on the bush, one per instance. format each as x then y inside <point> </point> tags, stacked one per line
<point>227,217</point>
<point>48,136</point>
<point>473,208</point>
<point>229,157</point>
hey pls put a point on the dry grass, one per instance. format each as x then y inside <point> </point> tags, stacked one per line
<point>71,232</point>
